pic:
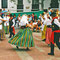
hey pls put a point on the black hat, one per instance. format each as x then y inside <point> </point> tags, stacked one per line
<point>45,10</point>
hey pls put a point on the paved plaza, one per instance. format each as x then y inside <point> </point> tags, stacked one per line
<point>39,52</point>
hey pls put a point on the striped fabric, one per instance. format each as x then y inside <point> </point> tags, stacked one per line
<point>23,38</point>
<point>6,28</point>
<point>2,35</point>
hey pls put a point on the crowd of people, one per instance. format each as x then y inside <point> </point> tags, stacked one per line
<point>48,23</point>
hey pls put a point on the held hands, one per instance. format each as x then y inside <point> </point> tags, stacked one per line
<point>0,23</point>
<point>3,20</point>
<point>28,25</point>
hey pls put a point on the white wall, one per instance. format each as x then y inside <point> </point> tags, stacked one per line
<point>12,6</point>
<point>59,5</point>
<point>0,4</point>
<point>40,7</point>
<point>47,4</point>
<point>27,6</point>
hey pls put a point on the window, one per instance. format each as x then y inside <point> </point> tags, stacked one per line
<point>20,6</point>
<point>35,5</point>
<point>4,3</point>
<point>54,4</point>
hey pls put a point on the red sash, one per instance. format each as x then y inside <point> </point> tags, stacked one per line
<point>14,30</point>
<point>52,36</point>
<point>54,18</point>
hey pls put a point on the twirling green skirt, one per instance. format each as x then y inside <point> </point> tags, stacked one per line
<point>23,38</point>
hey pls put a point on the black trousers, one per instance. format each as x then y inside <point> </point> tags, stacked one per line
<point>11,32</point>
<point>56,40</point>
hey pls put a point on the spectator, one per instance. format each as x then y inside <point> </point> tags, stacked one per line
<point>8,13</point>
<point>39,25</point>
<point>33,17</point>
<point>29,18</point>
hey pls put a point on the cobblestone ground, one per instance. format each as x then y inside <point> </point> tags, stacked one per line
<point>39,52</point>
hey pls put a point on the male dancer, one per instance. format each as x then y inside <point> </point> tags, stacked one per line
<point>55,33</point>
<point>11,26</point>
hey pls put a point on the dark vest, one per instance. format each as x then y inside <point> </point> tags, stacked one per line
<point>10,23</point>
<point>54,26</point>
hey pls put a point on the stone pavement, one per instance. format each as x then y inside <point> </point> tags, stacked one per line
<point>39,52</point>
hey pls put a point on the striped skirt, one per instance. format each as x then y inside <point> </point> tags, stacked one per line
<point>2,35</point>
<point>6,28</point>
<point>23,38</point>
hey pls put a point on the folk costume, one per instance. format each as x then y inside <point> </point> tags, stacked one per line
<point>55,34</point>
<point>11,26</point>
<point>2,33</point>
<point>48,31</point>
<point>24,37</point>
<point>6,24</point>
<point>44,30</point>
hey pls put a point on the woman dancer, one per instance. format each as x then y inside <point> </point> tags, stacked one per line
<point>2,33</point>
<point>24,37</point>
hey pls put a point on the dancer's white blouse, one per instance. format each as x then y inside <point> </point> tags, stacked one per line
<point>24,20</point>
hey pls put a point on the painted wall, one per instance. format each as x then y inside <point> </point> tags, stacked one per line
<point>0,4</point>
<point>12,6</point>
<point>59,5</point>
<point>40,7</point>
<point>27,5</point>
<point>47,4</point>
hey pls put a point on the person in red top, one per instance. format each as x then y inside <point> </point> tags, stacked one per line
<point>55,36</point>
<point>11,26</point>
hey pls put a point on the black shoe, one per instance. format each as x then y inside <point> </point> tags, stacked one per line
<point>44,40</point>
<point>9,36</point>
<point>27,48</point>
<point>59,48</point>
<point>6,33</point>
<point>17,47</point>
<point>51,54</point>
<point>49,45</point>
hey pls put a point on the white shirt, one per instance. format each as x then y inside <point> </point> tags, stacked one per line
<point>47,22</point>
<point>57,22</point>
<point>13,22</point>
<point>34,23</point>
<point>45,16</point>
<point>23,21</point>
<point>7,22</point>
<point>42,19</point>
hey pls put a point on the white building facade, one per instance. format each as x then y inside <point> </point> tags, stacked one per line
<point>25,5</point>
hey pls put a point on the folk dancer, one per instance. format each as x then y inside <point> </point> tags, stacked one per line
<point>11,26</point>
<point>55,34</point>
<point>24,37</point>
